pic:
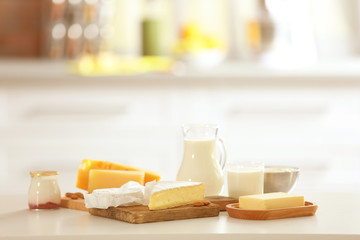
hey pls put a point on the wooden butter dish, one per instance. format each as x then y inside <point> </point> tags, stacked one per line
<point>234,211</point>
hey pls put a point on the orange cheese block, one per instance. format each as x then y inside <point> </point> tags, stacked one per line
<point>100,178</point>
<point>82,181</point>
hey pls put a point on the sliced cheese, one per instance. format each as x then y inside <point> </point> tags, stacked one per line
<point>167,194</point>
<point>270,201</point>
<point>88,164</point>
<point>99,178</point>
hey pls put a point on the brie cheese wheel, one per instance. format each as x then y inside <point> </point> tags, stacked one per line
<point>131,193</point>
<point>167,194</point>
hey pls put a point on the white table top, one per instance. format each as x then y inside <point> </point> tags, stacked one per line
<point>338,217</point>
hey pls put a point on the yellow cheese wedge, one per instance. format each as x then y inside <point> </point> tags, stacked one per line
<point>82,181</point>
<point>167,194</point>
<point>99,178</point>
<point>270,201</point>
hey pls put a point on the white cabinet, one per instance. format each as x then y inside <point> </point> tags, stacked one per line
<point>55,128</point>
<point>278,126</point>
<point>52,124</point>
<point>316,129</point>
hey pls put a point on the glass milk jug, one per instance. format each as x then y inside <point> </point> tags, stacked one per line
<point>200,160</point>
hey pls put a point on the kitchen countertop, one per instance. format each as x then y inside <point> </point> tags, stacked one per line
<point>43,71</point>
<point>337,218</point>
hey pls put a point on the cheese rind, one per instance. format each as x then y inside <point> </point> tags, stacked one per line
<point>168,194</point>
<point>129,194</point>
<point>270,201</point>
<point>99,178</point>
<point>82,181</point>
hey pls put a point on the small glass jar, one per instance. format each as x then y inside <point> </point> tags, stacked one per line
<point>44,191</point>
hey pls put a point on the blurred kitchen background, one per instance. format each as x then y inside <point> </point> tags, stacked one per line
<point>115,79</point>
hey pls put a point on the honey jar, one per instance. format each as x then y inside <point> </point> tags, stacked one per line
<point>44,191</point>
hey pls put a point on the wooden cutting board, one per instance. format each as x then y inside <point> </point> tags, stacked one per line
<point>142,214</point>
<point>79,204</point>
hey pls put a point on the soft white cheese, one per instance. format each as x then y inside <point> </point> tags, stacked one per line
<point>131,193</point>
<point>174,193</point>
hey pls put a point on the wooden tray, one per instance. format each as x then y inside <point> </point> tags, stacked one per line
<point>78,204</point>
<point>142,214</point>
<point>234,211</point>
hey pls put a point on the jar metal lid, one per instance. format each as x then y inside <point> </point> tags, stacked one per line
<point>43,173</point>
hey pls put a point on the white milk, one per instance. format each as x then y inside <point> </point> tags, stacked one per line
<point>245,181</point>
<point>200,165</point>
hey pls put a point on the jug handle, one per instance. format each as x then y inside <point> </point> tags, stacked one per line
<point>222,159</point>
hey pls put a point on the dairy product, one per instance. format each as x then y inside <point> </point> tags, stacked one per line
<point>270,201</point>
<point>200,165</point>
<point>44,191</point>
<point>245,181</point>
<point>167,194</point>
<point>131,193</point>
<point>99,178</point>
<point>88,164</point>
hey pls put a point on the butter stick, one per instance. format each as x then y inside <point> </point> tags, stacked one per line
<point>270,201</point>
